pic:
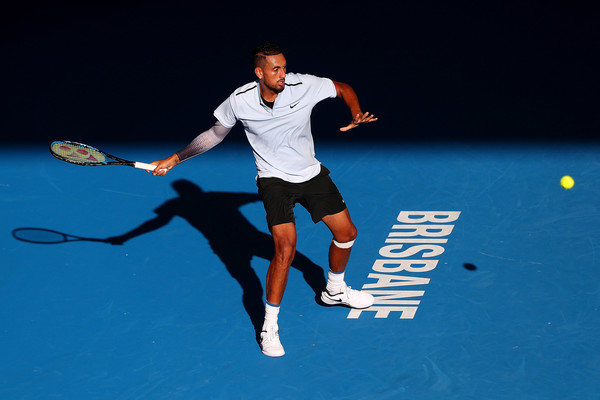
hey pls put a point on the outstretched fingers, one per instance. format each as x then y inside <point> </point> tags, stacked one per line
<point>359,119</point>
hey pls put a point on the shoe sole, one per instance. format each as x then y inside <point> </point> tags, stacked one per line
<point>273,354</point>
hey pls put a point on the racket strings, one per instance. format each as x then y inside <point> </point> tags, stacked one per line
<point>77,153</point>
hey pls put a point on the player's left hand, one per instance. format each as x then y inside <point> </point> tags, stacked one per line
<point>359,119</point>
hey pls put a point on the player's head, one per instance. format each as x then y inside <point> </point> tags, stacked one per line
<point>270,66</point>
<point>262,51</point>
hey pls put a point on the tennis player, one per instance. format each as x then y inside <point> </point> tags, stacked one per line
<point>275,111</point>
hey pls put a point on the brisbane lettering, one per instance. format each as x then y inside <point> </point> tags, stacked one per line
<point>406,258</point>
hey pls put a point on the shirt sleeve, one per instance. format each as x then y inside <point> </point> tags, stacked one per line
<point>225,113</point>
<point>328,88</point>
<point>321,88</point>
<point>204,142</point>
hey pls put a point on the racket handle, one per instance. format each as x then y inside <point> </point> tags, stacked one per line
<point>145,166</point>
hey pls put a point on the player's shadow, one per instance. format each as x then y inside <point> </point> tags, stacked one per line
<point>231,237</point>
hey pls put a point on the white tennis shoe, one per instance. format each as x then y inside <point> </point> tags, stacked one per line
<point>346,296</point>
<point>269,341</point>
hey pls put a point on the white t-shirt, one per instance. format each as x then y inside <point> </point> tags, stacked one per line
<point>281,137</point>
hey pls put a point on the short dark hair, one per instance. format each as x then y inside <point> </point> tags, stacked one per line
<point>260,52</point>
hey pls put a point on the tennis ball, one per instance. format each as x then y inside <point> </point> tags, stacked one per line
<point>567,182</point>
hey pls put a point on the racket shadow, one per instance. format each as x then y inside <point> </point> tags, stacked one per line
<point>218,217</point>
<point>48,236</point>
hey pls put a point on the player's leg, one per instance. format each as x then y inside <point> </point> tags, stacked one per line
<point>284,238</point>
<point>344,233</point>
<point>279,206</point>
<point>337,292</point>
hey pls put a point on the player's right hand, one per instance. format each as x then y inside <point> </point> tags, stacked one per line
<point>165,165</point>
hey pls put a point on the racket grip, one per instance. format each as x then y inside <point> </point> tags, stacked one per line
<point>145,166</point>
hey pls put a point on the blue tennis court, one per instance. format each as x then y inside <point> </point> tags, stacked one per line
<point>116,284</point>
<point>510,310</point>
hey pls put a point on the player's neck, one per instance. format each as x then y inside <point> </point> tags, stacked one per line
<point>266,93</point>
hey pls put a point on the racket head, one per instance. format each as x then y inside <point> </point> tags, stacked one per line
<point>77,153</point>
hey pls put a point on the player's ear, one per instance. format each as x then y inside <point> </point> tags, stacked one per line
<point>259,72</point>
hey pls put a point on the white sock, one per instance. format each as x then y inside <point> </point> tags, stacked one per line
<point>271,314</point>
<point>335,281</point>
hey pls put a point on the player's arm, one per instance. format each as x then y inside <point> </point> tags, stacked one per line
<point>346,93</point>
<point>201,144</point>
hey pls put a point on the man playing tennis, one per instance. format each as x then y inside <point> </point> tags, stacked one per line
<point>275,112</point>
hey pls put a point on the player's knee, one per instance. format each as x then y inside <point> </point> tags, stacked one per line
<point>353,232</point>
<point>349,235</point>
<point>346,240</point>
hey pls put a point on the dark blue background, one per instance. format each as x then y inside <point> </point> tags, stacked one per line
<point>147,71</point>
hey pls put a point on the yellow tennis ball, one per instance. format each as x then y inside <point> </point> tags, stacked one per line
<point>567,182</point>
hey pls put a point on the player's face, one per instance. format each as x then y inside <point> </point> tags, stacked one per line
<point>272,73</point>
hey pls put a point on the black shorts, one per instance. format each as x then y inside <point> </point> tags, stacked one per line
<point>319,196</point>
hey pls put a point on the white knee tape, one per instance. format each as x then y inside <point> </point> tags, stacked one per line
<point>345,245</point>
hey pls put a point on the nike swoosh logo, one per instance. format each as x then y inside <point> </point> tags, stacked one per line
<point>294,105</point>
<point>330,296</point>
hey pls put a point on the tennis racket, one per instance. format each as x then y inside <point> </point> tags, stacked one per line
<point>83,154</point>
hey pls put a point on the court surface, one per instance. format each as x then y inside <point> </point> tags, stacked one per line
<point>510,311</point>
